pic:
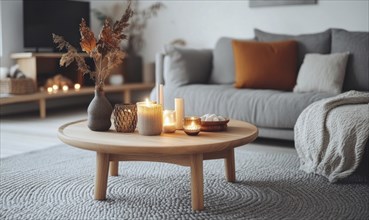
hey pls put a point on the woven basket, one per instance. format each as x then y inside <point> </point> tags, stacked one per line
<point>17,86</point>
<point>214,125</point>
<point>125,117</point>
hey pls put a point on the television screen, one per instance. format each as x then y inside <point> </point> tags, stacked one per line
<point>62,17</point>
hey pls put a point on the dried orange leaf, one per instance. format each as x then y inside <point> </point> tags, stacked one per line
<point>88,41</point>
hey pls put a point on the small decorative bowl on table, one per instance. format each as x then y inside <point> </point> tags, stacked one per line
<point>215,125</point>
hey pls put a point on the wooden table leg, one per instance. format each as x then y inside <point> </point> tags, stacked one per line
<point>197,182</point>
<point>113,168</point>
<point>101,179</point>
<point>230,166</point>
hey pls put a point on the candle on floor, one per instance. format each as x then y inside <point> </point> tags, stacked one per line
<point>192,125</point>
<point>169,125</point>
<point>77,86</point>
<point>179,109</point>
<point>150,118</point>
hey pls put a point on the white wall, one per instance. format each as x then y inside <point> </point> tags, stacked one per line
<point>201,23</point>
<point>11,30</point>
<point>1,35</point>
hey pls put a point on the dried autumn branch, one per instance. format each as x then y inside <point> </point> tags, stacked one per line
<point>105,51</point>
<point>88,41</point>
<point>71,55</point>
<point>138,22</point>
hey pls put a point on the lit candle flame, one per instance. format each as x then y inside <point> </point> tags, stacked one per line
<point>77,86</point>
<point>166,121</point>
<point>55,87</point>
<point>49,89</point>
<point>65,88</point>
<point>193,126</point>
<point>148,102</point>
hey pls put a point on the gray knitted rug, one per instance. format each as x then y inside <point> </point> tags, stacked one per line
<point>57,183</point>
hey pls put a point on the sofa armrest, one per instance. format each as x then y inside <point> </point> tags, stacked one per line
<point>159,68</point>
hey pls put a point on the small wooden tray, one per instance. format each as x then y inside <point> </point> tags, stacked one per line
<point>214,125</point>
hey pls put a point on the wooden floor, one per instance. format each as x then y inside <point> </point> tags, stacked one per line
<point>27,132</point>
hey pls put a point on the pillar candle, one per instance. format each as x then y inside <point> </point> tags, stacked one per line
<point>179,109</point>
<point>158,93</point>
<point>150,118</point>
<point>161,95</point>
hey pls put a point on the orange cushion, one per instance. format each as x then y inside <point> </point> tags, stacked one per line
<point>265,65</point>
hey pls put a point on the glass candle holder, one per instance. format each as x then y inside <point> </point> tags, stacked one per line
<point>125,117</point>
<point>169,117</point>
<point>192,125</point>
<point>150,118</point>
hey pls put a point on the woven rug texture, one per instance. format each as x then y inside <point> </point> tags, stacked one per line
<point>57,183</point>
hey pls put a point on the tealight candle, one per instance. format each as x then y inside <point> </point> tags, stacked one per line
<point>77,86</point>
<point>192,125</point>
<point>55,88</point>
<point>150,118</point>
<point>65,88</point>
<point>169,125</point>
<point>49,90</point>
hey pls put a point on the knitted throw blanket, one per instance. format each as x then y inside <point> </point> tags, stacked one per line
<point>331,134</point>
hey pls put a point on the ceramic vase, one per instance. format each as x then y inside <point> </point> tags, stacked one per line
<point>99,112</point>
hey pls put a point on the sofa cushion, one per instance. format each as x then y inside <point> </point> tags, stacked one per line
<point>264,108</point>
<point>357,71</point>
<point>322,73</point>
<point>223,62</point>
<point>187,66</point>
<point>265,65</point>
<point>307,43</point>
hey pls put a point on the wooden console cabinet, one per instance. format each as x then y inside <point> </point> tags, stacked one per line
<point>42,97</point>
<point>41,66</point>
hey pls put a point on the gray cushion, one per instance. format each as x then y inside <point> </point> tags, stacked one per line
<point>357,71</point>
<point>187,66</point>
<point>264,108</point>
<point>308,43</point>
<point>322,73</point>
<point>223,62</point>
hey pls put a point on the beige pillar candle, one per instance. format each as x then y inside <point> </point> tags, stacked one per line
<point>150,118</point>
<point>158,93</point>
<point>161,95</point>
<point>179,109</point>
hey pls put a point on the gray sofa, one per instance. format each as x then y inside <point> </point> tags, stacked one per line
<point>208,87</point>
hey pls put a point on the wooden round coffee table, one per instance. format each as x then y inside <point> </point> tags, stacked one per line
<point>177,148</point>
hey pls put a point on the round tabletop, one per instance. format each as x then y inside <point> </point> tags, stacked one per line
<point>77,134</point>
